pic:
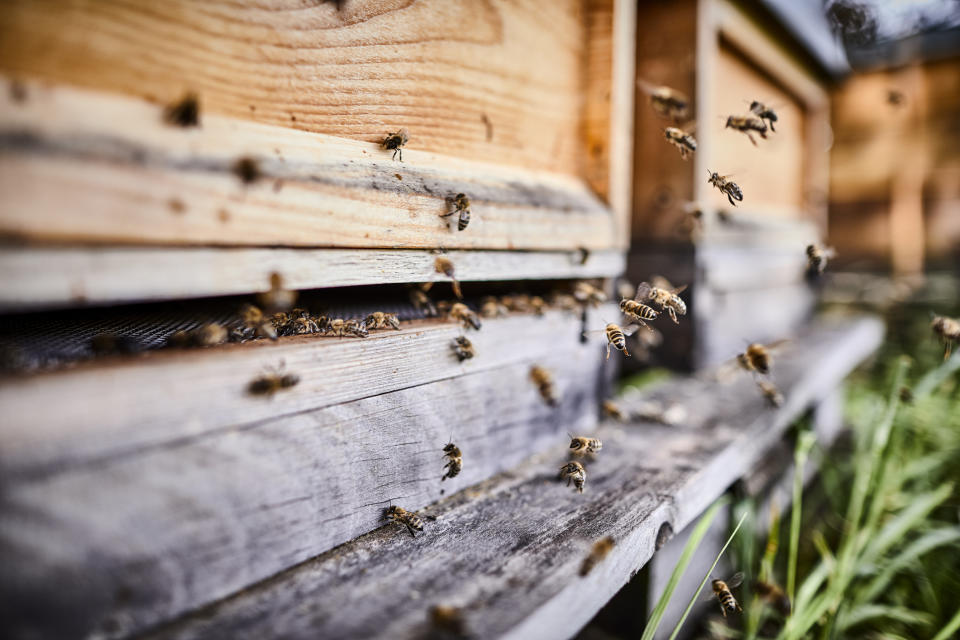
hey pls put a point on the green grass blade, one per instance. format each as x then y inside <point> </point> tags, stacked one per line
<point>933,379</point>
<point>952,627</point>
<point>693,600</point>
<point>866,612</point>
<point>922,545</point>
<point>656,616</point>
<point>804,444</point>
<point>913,516</point>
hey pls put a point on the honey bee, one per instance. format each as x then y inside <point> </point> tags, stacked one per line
<point>544,381</point>
<point>774,595</point>
<point>771,393</point>
<point>183,113</point>
<point>764,112</point>
<point>340,328</point>
<point>599,551</point>
<point>817,258</point>
<point>537,305</point>
<point>584,255</point>
<point>638,312</point>
<point>207,335</point>
<point>948,330</point>
<point>722,589</point>
<point>518,303</point>
<point>564,301</point>
<point>247,169</point>
<point>758,357</point>
<point>746,124</point>
<point>463,348</point>
<point>465,315</point>
<point>454,462</point>
<point>681,140</point>
<point>445,266</point>
<point>409,519</point>
<point>461,204</point>
<point>305,324</point>
<point>272,381</point>
<point>726,187</point>
<point>613,411</point>
<point>587,294</point>
<point>396,141</point>
<point>109,343</point>
<point>277,298</point>
<point>448,619</point>
<point>421,301</point>
<point>257,323</point>
<point>665,296</point>
<point>574,472</point>
<point>381,320</point>
<point>666,102</point>
<point>491,307</point>
<point>617,337</point>
<point>581,445</point>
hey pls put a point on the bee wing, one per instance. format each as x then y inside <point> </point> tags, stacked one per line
<point>630,329</point>
<point>661,283</point>
<point>735,581</point>
<point>643,290</point>
<point>593,332</point>
<point>778,345</point>
<point>689,127</point>
<point>679,289</point>
<point>727,372</point>
<point>830,253</point>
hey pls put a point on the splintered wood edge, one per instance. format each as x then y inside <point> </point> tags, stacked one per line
<point>647,477</point>
<point>37,278</point>
<point>84,167</point>
<point>113,406</point>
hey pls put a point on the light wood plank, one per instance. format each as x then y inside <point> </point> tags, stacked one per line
<point>177,526</point>
<point>81,167</point>
<point>53,277</point>
<point>509,552</point>
<point>111,407</point>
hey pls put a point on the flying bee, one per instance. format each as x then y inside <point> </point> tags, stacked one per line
<point>771,393</point>
<point>727,187</point>
<point>774,595</point>
<point>817,258</point>
<point>462,348</point>
<point>272,381</point>
<point>396,141</point>
<point>746,124</point>
<point>448,619</point>
<point>581,445</point>
<point>255,320</point>
<point>574,472</point>
<point>421,301</point>
<point>758,357</point>
<point>764,112</point>
<point>638,312</point>
<point>461,205</point>
<point>381,320</point>
<point>544,382</point>
<point>613,411</point>
<point>587,294</point>
<point>666,102</point>
<point>409,519</point>
<point>599,551</point>
<point>491,307</point>
<point>617,336</point>
<point>664,295</point>
<point>722,589</point>
<point>277,298</point>
<point>681,140</point>
<point>948,330</point>
<point>465,315</point>
<point>454,461</point>
<point>445,266</point>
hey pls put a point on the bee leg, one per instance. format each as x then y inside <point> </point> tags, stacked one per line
<point>751,138</point>
<point>608,351</point>
<point>730,198</point>
<point>411,530</point>
<point>625,352</point>
<point>447,215</point>
<point>673,315</point>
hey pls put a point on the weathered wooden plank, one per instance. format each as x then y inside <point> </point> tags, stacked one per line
<point>508,551</point>
<point>177,526</point>
<point>123,176</point>
<point>107,408</point>
<point>52,277</point>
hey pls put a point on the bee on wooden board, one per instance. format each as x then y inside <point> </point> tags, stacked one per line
<point>817,258</point>
<point>421,301</point>
<point>663,294</point>
<point>272,381</point>
<point>666,102</point>
<point>771,393</point>
<point>207,335</point>
<point>278,298</point>
<point>461,205</point>
<point>601,548</point>
<point>544,382</point>
<point>448,619</point>
<point>581,445</point>
<point>764,112</point>
<point>721,589</point>
<point>183,113</point>
<point>381,320</point>
<point>465,316</point>
<point>491,307</point>
<point>746,124</point>
<point>454,461</point>
<point>409,519</point>
<point>445,266</point>
<point>727,187</point>
<point>681,139</point>
<point>948,330</point>
<point>638,312</point>
<point>774,596</point>
<point>574,472</point>
<point>613,411</point>
<point>340,328</point>
<point>463,348</point>
<point>395,141</point>
<point>587,294</point>
<point>564,301</point>
<point>255,320</point>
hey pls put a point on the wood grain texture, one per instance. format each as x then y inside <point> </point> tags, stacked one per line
<point>177,526</point>
<point>113,407</point>
<point>440,68</point>
<point>508,551</point>
<point>70,277</point>
<point>83,167</point>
